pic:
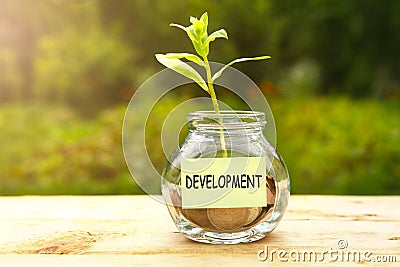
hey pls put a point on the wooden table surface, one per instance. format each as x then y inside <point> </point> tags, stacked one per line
<point>138,231</point>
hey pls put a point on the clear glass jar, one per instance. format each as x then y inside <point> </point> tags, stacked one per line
<point>240,133</point>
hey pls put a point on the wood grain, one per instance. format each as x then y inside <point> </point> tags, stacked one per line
<point>137,231</point>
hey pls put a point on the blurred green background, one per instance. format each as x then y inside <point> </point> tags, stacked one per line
<point>68,69</point>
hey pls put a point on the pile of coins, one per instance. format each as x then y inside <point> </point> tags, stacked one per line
<point>226,219</point>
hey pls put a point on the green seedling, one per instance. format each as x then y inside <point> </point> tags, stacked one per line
<point>197,33</point>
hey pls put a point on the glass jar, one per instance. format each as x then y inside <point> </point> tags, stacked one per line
<point>231,134</point>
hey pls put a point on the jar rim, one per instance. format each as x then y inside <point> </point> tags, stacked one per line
<point>226,113</point>
<point>231,119</point>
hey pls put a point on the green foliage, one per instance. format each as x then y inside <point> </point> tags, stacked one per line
<point>183,68</point>
<point>353,45</point>
<point>55,152</point>
<point>197,33</point>
<point>301,80</point>
<point>338,146</point>
<point>330,145</point>
<point>90,55</point>
<point>219,73</point>
<point>10,79</point>
<point>86,70</point>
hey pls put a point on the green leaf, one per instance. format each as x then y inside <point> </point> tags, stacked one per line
<point>192,19</point>
<point>178,26</point>
<point>182,68</point>
<point>218,74</point>
<point>204,18</point>
<point>188,56</point>
<point>198,27</point>
<point>197,33</point>
<point>190,32</point>
<point>221,33</point>
<point>193,37</point>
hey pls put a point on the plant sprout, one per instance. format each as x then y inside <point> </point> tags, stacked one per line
<point>197,33</point>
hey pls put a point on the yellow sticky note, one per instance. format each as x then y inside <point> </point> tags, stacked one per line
<point>224,182</point>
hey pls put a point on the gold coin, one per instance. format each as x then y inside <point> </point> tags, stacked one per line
<point>197,216</point>
<point>253,214</point>
<point>271,190</point>
<point>228,219</point>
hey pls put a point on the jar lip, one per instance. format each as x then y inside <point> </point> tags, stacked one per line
<point>226,113</point>
<point>230,118</point>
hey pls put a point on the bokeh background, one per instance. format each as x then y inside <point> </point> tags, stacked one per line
<point>68,69</point>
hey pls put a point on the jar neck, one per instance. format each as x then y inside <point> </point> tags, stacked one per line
<point>227,122</point>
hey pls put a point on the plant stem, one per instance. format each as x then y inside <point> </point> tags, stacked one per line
<point>216,107</point>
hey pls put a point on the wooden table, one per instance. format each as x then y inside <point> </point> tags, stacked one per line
<point>138,231</point>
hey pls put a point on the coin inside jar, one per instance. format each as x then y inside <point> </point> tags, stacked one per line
<point>228,219</point>
<point>271,190</point>
<point>253,214</point>
<point>197,216</point>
